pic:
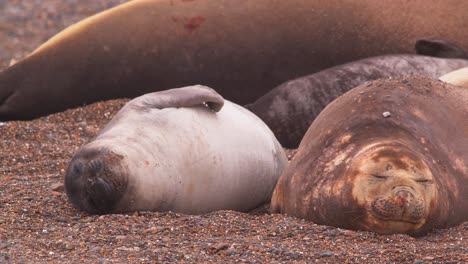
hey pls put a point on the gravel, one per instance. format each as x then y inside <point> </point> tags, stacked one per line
<point>38,225</point>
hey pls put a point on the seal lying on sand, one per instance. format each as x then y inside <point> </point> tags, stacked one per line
<point>167,151</point>
<point>389,156</point>
<point>242,47</point>
<point>290,108</point>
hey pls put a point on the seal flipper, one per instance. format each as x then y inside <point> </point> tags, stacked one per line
<point>439,48</point>
<point>182,97</point>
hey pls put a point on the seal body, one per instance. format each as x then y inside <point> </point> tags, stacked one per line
<point>166,151</point>
<point>290,108</point>
<point>457,77</point>
<point>389,156</point>
<point>244,47</point>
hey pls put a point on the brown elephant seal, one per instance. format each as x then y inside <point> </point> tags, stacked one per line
<point>389,156</point>
<point>458,77</point>
<point>243,47</point>
<point>290,108</point>
<point>167,151</point>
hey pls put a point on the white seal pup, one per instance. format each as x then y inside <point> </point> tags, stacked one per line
<point>184,150</point>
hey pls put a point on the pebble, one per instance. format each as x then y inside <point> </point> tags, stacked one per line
<point>386,114</point>
<point>231,251</point>
<point>61,220</point>
<point>326,254</point>
<point>220,246</point>
<point>58,187</point>
<point>94,248</point>
<point>292,255</point>
<point>130,249</point>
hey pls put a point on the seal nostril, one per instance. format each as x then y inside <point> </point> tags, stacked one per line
<point>400,200</point>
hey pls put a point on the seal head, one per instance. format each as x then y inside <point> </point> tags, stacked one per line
<point>95,181</point>
<point>394,185</point>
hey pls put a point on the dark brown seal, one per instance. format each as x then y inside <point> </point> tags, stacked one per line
<point>389,156</point>
<point>243,47</point>
<point>290,108</point>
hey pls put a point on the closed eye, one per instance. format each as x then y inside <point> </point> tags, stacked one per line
<point>378,176</point>
<point>422,180</point>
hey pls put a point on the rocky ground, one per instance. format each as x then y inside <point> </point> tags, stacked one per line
<point>38,225</point>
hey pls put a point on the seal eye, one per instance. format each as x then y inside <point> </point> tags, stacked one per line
<point>77,169</point>
<point>422,180</point>
<point>378,176</point>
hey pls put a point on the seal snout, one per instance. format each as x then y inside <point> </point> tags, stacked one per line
<point>401,205</point>
<point>93,184</point>
<point>403,196</point>
<point>99,188</point>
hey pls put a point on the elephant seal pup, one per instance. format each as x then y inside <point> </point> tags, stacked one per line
<point>389,156</point>
<point>458,77</point>
<point>290,108</point>
<point>167,151</point>
<point>243,47</point>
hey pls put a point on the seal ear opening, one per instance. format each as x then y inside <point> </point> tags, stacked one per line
<point>183,97</point>
<point>439,48</point>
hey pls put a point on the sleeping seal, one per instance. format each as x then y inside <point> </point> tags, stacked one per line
<point>168,151</point>
<point>290,108</point>
<point>389,156</point>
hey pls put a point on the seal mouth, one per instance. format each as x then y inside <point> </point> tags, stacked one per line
<point>400,206</point>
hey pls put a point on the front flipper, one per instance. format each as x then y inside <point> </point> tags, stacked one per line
<point>182,97</point>
<point>439,48</point>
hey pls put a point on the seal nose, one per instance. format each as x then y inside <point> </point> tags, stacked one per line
<point>401,196</point>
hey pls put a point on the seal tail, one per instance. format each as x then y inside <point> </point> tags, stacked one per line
<point>183,97</point>
<point>439,48</point>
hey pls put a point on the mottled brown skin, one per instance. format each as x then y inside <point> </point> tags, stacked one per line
<point>243,47</point>
<point>404,173</point>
